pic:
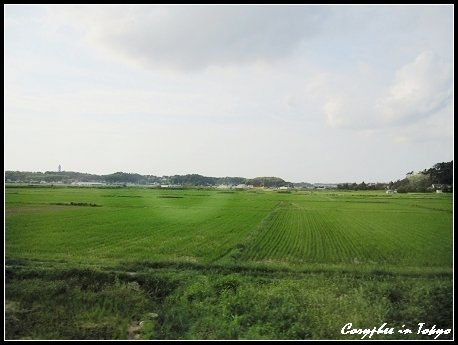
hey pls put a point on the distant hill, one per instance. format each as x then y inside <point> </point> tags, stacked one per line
<point>439,177</point>
<point>68,177</point>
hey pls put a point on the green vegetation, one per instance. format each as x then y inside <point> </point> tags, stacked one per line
<point>206,264</point>
<point>75,204</point>
<point>121,178</point>
<point>440,175</point>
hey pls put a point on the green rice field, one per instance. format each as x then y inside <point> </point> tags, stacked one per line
<point>224,264</point>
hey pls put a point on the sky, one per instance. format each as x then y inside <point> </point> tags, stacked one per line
<point>306,93</point>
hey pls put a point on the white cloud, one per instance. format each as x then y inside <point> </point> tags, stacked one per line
<point>436,128</point>
<point>417,90</point>
<point>333,109</point>
<point>191,37</point>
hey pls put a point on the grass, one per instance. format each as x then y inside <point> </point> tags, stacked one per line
<point>308,233</point>
<point>213,265</point>
<point>195,227</point>
<point>193,304</point>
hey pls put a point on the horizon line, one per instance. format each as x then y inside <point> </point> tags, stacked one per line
<point>323,183</point>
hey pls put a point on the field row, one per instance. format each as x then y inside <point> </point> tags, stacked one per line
<point>313,235</point>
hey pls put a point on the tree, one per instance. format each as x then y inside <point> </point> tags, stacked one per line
<point>441,173</point>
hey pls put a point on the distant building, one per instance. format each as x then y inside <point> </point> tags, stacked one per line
<point>440,188</point>
<point>170,185</point>
<point>87,183</point>
<point>59,168</point>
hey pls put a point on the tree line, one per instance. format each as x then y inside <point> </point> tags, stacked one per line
<point>133,178</point>
<point>440,176</point>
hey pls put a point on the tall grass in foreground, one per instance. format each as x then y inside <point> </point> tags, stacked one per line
<point>188,304</point>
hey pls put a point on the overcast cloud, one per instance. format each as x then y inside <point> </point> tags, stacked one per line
<point>306,93</point>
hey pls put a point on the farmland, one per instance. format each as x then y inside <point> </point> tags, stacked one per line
<point>210,264</point>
